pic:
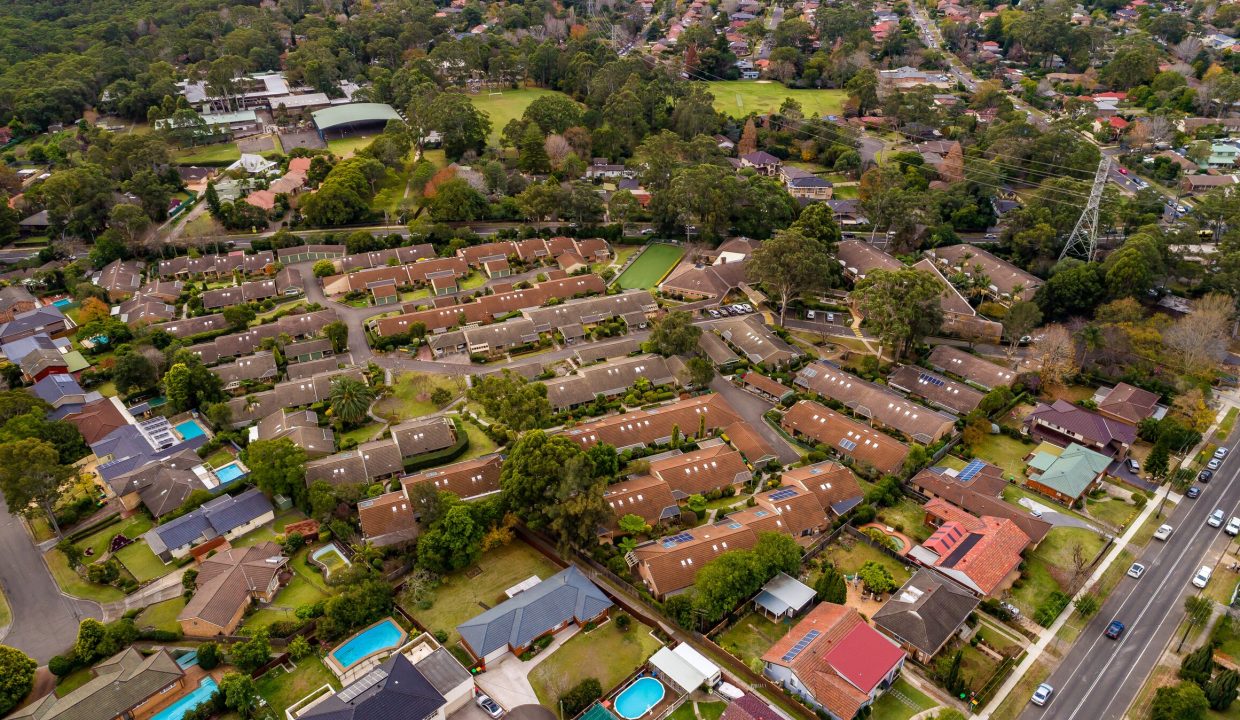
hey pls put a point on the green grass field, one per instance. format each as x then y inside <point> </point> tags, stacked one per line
<point>218,154</point>
<point>738,98</point>
<point>410,396</point>
<point>650,267</point>
<point>345,147</point>
<point>508,105</point>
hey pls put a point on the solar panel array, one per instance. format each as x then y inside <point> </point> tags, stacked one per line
<point>363,684</point>
<point>801,645</point>
<point>848,444</point>
<point>677,539</point>
<point>784,494</point>
<point>973,468</point>
<point>931,380</point>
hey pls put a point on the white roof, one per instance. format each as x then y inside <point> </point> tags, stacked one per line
<point>677,669</point>
<point>699,662</point>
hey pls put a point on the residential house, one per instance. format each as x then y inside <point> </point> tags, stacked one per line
<point>468,480</point>
<point>668,566</point>
<point>120,279</point>
<point>698,472</point>
<point>1004,281</point>
<point>959,317</point>
<point>805,185</point>
<point>765,387</point>
<point>1193,184</point>
<point>846,438</point>
<point>566,598</point>
<point>42,363</point>
<point>609,380</point>
<point>907,77</point>
<point>398,688</point>
<point>260,368</point>
<point>15,299</point>
<point>696,417</point>
<point>1128,404</point>
<point>47,320</point>
<point>1063,424</point>
<point>925,613</point>
<point>976,489</point>
<point>756,342</point>
<point>126,685</point>
<point>379,459</point>
<point>835,661</point>
<point>936,390</point>
<point>387,519</point>
<point>859,258</point>
<point>647,497</point>
<point>290,394</point>
<point>880,405</point>
<point>763,162</point>
<point>974,370</point>
<point>1065,473</point>
<point>95,420</point>
<point>161,484</point>
<point>982,554</point>
<point>304,253</point>
<point>63,393</point>
<point>705,282</point>
<point>834,485</point>
<point>750,707</point>
<point>227,583</point>
<point>718,352</point>
<point>300,427</point>
<point>227,516</point>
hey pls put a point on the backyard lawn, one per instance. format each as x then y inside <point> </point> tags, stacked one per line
<point>479,443</point>
<point>707,711</point>
<point>901,702</point>
<point>94,546</point>
<point>74,584</point>
<point>472,281</point>
<point>848,554</point>
<point>1006,452</point>
<point>281,689</point>
<point>359,435</point>
<point>739,98</point>
<point>506,105</point>
<point>142,563</point>
<point>306,588</point>
<point>1112,511</point>
<point>751,636</point>
<point>458,598</point>
<point>651,267</point>
<point>1050,566</point>
<point>907,517</point>
<point>161,616</point>
<point>606,653</point>
<point>218,154</point>
<point>269,531</point>
<point>410,396</point>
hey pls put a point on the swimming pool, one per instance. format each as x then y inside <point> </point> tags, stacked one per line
<point>189,430</point>
<point>198,696</point>
<point>228,473</point>
<point>384,635</point>
<point>639,698</point>
<point>63,303</point>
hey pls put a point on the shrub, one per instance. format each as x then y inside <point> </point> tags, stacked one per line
<point>299,647</point>
<point>441,636</point>
<point>62,665</point>
<point>1050,608</point>
<point>581,696</point>
<point>159,635</point>
<point>623,622</point>
<point>208,656</point>
<point>284,628</point>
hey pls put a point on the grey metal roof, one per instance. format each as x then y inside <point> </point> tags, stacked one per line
<point>395,690</point>
<point>784,593</point>
<point>217,517</point>
<point>515,623</point>
<point>443,671</point>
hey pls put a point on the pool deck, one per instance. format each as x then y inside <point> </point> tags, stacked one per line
<point>365,663</point>
<point>194,675</point>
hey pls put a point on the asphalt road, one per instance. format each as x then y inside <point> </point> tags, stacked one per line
<point>45,621</point>
<point>1099,678</point>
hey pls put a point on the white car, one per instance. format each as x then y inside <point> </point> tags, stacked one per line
<point>1215,463</point>
<point>831,317</point>
<point>1220,453</point>
<point>811,315</point>
<point>1216,519</point>
<point>1163,532</point>
<point>1233,527</point>
<point>489,706</point>
<point>1136,571</point>
<point>648,231</point>
<point>1203,576</point>
<point>1042,695</point>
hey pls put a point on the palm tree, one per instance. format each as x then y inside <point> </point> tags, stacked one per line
<point>350,400</point>
<point>1090,337</point>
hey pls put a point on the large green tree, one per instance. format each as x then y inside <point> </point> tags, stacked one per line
<point>463,126</point>
<point>31,475</point>
<point>675,334</point>
<point>16,677</point>
<point>900,306</point>
<point>278,467</point>
<point>792,263</point>
<point>350,399</point>
<point>512,400</point>
<point>454,542</point>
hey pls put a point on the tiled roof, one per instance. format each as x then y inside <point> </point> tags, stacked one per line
<point>1088,424</point>
<point>515,623</point>
<point>670,565</point>
<point>972,368</point>
<point>1129,404</point>
<point>608,379</point>
<point>926,611</point>
<point>95,420</point>
<point>979,497</point>
<point>756,341</point>
<point>217,517</point>
<point>875,402</point>
<point>120,683</point>
<point>423,435</point>
<point>846,437</point>
<point>1003,275</point>
<point>834,485</point>
<point>396,690</point>
<point>936,389</point>
<point>387,519</point>
<point>647,497</point>
<point>977,552</point>
<point>860,258</point>
<point>700,471</point>
<point>768,385</point>
<point>1075,468</point>
<point>227,580</point>
<point>466,480</point>
<point>642,427</point>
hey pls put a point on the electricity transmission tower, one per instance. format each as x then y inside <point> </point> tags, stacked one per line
<point>1083,242</point>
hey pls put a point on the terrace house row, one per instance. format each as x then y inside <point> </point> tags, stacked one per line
<point>377,459</point>
<point>288,395</point>
<point>287,283</point>
<point>974,370</point>
<point>808,420</point>
<point>802,507</point>
<point>218,266</point>
<point>608,380</point>
<point>227,347</point>
<point>424,273</point>
<point>673,479</point>
<point>1005,282</point>
<point>880,405</point>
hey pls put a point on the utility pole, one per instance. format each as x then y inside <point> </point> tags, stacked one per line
<point>1083,242</point>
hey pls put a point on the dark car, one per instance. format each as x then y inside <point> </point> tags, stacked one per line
<point>1115,629</point>
<point>1205,475</point>
<point>1193,493</point>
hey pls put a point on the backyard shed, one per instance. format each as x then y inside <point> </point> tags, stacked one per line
<point>784,596</point>
<point>684,668</point>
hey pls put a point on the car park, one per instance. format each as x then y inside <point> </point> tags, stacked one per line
<point>1202,578</point>
<point>1233,527</point>
<point>1115,630</point>
<point>1042,695</point>
<point>1205,475</point>
<point>1193,493</point>
<point>1163,532</point>
<point>489,706</point>
<point>1216,518</point>
<point>1136,571</point>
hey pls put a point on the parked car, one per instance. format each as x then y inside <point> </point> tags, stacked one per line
<point>1042,695</point>
<point>1036,511</point>
<point>831,317</point>
<point>1214,464</point>
<point>1133,465</point>
<point>1216,518</point>
<point>1136,571</point>
<point>811,315</point>
<point>647,231</point>
<point>1205,475</point>
<point>1193,493</point>
<point>1015,611</point>
<point>489,706</point>
<point>1115,629</point>
<point>1233,527</point>
<point>1203,576</point>
<point>1163,532</point>
<point>747,307</point>
<point>714,313</point>
<point>1220,453</point>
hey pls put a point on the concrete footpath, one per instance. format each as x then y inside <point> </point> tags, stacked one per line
<point>1048,635</point>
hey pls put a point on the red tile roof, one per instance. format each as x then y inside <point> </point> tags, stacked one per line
<point>979,552</point>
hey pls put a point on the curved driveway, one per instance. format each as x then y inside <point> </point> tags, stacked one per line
<point>45,620</point>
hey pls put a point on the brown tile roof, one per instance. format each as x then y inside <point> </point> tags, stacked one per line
<point>227,580</point>
<point>976,370</point>
<point>643,427</point>
<point>1003,275</point>
<point>756,341</point>
<point>950,300</point>
<point>258,366</point>
<point>1129,404</point>
<point>845,437</point>
<point>770,386</point>
<point>424,435</point>
<point>700,471</point>
<point>754,447</point>
<point>859,258</point>
<point>120,683</point>
<point>669,566</point>
<point>300,427</point>
<point>978,552</point>
<point>648,497</point>
<point>834,485</point>
<point>387,519</point>
<point>121,277</point>
<point>870,400</point>
<point>466,480</point>
<point>976,501</point>
<point>608,379</point>
<point>707,280</point>
<point>936,389</point>
<point>97,419</point>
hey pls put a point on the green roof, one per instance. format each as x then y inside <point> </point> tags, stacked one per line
<point>598,712</point>
<point>76,361</point>
<point>350,113</point>
<point>1074,470</point>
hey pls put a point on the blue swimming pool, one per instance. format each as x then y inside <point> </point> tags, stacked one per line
<point>228,473</point>
<point>63,303</point>
<point>639,698</point>
<point>383,636</point>
<point>190,429</point>
<point>200,695</point>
